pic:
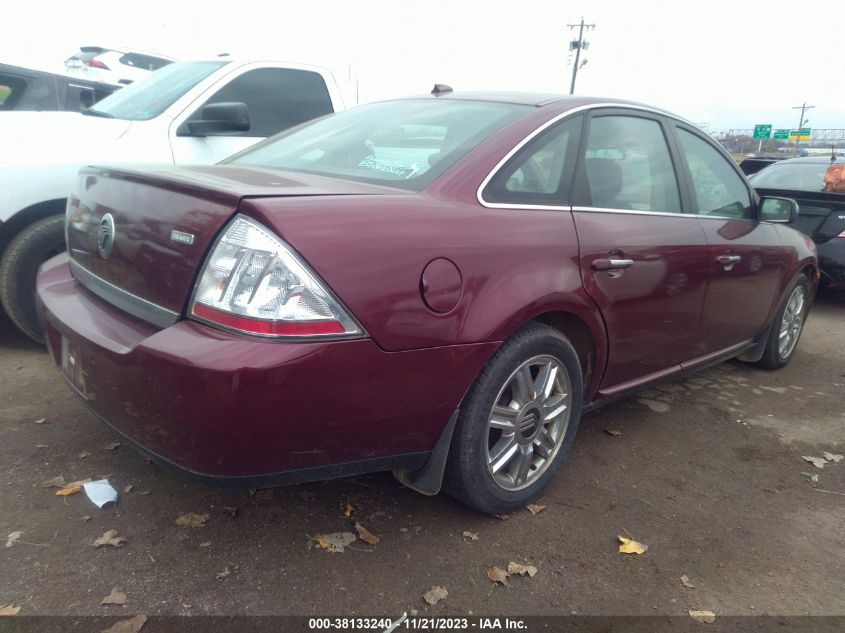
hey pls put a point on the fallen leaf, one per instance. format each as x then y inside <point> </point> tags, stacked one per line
<point>534,509</point>
<point>613,432</point>
<point>831,457</point>
<point>40,421</point>
<point>707,617</point>
<point>191,520</point>
<point>110,538</point>
<point>110,446</point>
<point>630,546</point>
<point>221,575</point>
<point>14,536</point>
<point>334,542</point>
<point>68,490</point>
<point>115,597</point>
<point>811,476</point>
<point>472,536</point>
<point>435,595</point>
<point>85,518</point>
<point>18,367</point>
<point>818,462</point>
<point>365,535</point>
<point>502,517</point>
<point>9,609</point>
<point>132,625</point>
<point>348,511</point>
<point>144,493</point>
<point>55,482</point>
<point>496,574</point>
<point>42,446</point>
<point>127,489</point>
<point>518,568</point>
<point>84,454</point>
<point>205,544</point>
<point>686,583</point>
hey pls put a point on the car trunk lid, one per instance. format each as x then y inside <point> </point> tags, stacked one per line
<point>821,215</point>
<point>137,236</point>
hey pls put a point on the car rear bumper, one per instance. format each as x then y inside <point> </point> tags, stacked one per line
<point>832,262</point>
<point>224,405</point>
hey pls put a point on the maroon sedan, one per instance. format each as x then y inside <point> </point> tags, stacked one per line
<point>440,286</point>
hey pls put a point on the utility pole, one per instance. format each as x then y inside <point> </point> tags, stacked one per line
<point>577,46</point>
<point>803,107</point>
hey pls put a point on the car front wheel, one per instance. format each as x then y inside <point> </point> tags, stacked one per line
<point>787,325</point>
<point>517,422</point>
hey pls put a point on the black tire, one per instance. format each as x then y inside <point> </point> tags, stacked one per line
<point>467,476</point>
<point>34,245</point>
<point>772,357</point>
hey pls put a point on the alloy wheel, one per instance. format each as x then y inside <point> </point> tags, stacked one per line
<point>792,322</point>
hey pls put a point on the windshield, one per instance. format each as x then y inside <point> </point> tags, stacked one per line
<point>800,176</point>
<point>405,143</point>
<point>146,99</point>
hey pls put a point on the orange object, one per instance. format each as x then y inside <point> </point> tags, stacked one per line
<point>834,178</point>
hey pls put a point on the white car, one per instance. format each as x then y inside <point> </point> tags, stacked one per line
<point>114,66</point>
<point>197,112</point>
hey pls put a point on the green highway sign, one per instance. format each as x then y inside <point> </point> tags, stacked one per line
<point>762,131</point>
<point>782,134</point>
<point>800,135</point>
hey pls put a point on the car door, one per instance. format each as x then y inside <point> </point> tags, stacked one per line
<point>643,261</point>
<point>276,99</point>
<point>745,258</point>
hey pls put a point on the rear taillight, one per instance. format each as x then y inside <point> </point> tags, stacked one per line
<point>253,282</point>
<point>96,63</point>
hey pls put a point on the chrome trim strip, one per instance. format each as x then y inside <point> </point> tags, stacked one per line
<point>547,124</point>
<point>124,300</point>
<point>634,212</point>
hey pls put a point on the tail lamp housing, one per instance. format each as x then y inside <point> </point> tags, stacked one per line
<point>252,282</point>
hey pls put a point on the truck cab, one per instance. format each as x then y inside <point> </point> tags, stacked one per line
<point>195,112</point>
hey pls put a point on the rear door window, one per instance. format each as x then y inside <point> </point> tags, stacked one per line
<point>11,91</point>
<point>277,99</point>
<point>628,165</point>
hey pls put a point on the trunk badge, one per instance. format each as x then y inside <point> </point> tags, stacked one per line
<point>181,237</point>
<point>105,235</point>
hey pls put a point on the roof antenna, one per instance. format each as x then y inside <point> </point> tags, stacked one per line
<point>441,89</point>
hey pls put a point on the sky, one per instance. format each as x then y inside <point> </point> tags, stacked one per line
<point>719,64</point>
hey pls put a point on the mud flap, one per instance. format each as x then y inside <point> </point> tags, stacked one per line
<point>429,479</point>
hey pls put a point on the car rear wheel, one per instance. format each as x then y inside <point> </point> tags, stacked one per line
<point>34,245</point>
<point>517,423</point>
<point>787,325</point>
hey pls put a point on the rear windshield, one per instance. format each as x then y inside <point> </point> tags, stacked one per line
<point>143,100</point>
<point>406,143</point>
<point>799,176</point>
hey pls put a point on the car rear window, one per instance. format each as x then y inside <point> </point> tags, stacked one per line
<point>799,176</point>
<point>405,143</point>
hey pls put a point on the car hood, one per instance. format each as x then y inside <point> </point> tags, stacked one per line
<point>32,138</point>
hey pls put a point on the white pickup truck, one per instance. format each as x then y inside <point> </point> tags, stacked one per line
<point>187,112</point>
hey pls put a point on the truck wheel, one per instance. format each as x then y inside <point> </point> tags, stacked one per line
<point>34,245</point>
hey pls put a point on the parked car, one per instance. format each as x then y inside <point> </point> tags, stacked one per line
<point>30,89</point>
<point>753,164</point>
<point>427,285</point>
<point>822,214</point>
<point>115,66</point>
<point>187,112</point>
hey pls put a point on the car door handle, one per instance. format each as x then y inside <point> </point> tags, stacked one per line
<point>728,260</point>
<point>612,264</point>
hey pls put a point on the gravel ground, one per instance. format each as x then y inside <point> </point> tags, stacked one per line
<point>707,472</point>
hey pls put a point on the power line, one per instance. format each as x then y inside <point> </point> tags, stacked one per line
<point>577,46</point>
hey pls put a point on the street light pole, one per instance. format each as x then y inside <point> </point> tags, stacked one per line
<point>803,107</point>
<point>578,45</point>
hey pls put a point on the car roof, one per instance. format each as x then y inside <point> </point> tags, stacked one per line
<point>819,159</point>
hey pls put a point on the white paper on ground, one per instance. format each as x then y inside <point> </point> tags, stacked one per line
<point>100,492</point>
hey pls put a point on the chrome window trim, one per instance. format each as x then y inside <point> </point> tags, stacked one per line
<point>539,130</point>
<point>123,299</point>
<point>635,212</point>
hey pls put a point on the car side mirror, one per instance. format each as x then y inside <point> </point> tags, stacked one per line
<point>217,118</point>
<point>781,210</point>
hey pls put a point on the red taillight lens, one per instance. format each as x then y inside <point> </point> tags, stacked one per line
<point>253,282</point>
<point>96,63</point>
